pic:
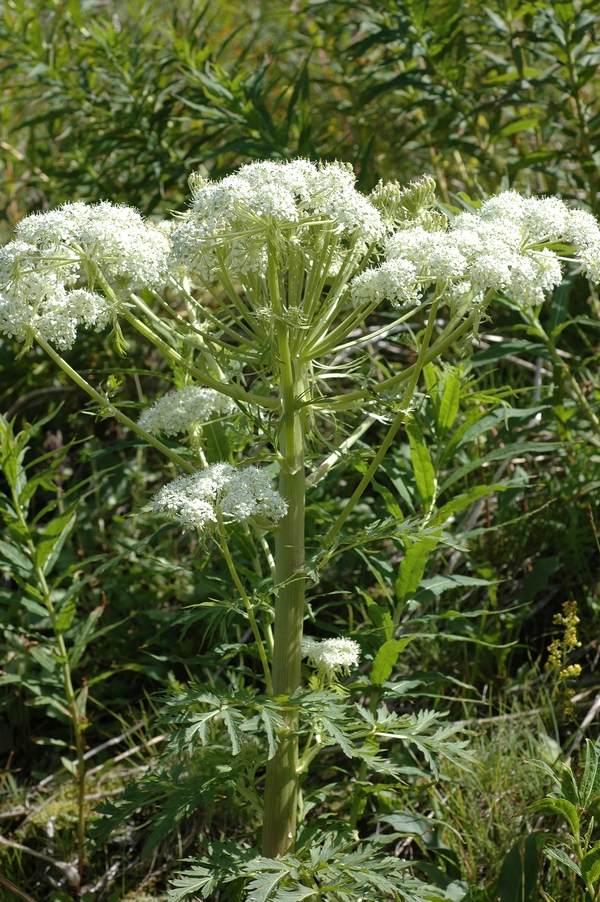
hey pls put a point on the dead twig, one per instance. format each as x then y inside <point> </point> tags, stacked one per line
<point>68,870</point>
<point>15,889</point>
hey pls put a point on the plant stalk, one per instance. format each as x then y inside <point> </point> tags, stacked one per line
<point>247,604</point>
<point>397,423</point>
<point>105,404</point>
<point>281,788</point>
<point>70,693</point>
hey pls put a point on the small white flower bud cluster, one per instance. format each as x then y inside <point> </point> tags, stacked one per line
<point>227,227</point>
<point>331,657</point>
<point>179,411</point>
<point>506,246</point>
<point>43,269</point>
<point>237,494</point>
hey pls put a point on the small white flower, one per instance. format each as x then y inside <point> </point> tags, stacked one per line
<point>506,247</point>
<point>395,281</point>
<point>228,224</point>
<point>238,494</point>
<point>331,657</point>
<point>35,294</point>
<point>43,270</point>
<point>583,233</point>
<point>179,411</point>
<point>435,255</point>
<point>116,238</point>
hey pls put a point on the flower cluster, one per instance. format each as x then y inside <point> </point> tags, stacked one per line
<point>507,246</point>
<point>43,270</point>
<point>560,648</point>
<point>128,250</point>
<point>237,495</point>
<point>180,411</point>
<point>227,228</point>
<point>331,657</point>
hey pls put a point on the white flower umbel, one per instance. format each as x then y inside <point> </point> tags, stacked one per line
<point>129,251</point>
<point>331,657</point>
<point>507,246</point>
<point>236,494</point>
<point>179,411</point>
<point>228,226</point>
<point>43,271</point>
<point>34,294</point>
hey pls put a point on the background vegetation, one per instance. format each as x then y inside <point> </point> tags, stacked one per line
<point>123,101</point>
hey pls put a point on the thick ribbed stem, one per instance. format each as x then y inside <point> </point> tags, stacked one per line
<point>281,788</point>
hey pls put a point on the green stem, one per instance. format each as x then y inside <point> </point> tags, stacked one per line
<point>281,788</point>
<point>68,687</point>
<point>449,336</point>
<point>232,391</point>
<point>575,387</point>
<point>105,404</point>
<point>247,604</point>
<point>397,423</point>
<point>362,774</point>
<point>335,456</point>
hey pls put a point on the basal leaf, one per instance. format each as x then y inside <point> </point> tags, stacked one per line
<point>519,874</point>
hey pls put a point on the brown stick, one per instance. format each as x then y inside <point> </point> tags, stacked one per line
<point>15,889</point>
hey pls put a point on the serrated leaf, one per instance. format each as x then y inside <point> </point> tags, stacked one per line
<point>590,865</point>
<point>272,722</point>
<point>560,807</point>
<point>262,885</point>
<point>66,615</point>
<point>449,404</point>
<point>297,894</point>
<point>562,858</point>
<point>412,568</point>
<point>232,720</point>
<point>195,880</point>
<point>422,465</point>
<point>386,658</point>
<point>590,781</point>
